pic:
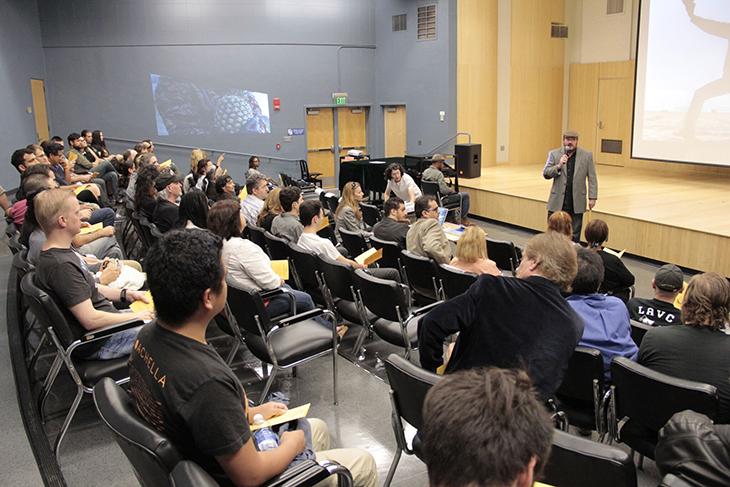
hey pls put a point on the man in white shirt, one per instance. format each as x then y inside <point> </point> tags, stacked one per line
<point>401,184</point>
<point>257,190</point>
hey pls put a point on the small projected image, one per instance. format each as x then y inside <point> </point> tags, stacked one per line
<point>184,108</point>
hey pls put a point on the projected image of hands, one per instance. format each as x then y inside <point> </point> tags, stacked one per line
<point>186,108</point>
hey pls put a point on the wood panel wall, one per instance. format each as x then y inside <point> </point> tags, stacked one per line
<point>476,74</point>
<point>536,80</point>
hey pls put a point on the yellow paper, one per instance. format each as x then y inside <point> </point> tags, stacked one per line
<point>167,163</point>
<point>281,267</point>
<point>242,195</point>
<point>324,222</point>
<point>369,256</point>
<point>290,415</point>
<point>79,189</point>
<point>72,156</point>
<point>138,305</point>
<point>92,228</point>
<point>540,484</point>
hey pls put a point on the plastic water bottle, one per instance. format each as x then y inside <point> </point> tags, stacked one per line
<point>265,438</point>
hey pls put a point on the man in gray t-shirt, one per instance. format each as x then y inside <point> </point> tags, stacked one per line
<point>287,224</point>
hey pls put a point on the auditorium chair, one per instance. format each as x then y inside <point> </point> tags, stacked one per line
<point>581,393</point>
<point>158,463</point>
<point>310,177</point>
<point>577,462</point>
<point>409,385</point>
<point>397,322</point>
<point>304,263</point>
<point>144,238</point>
<point>422,277</point>
<point>638,330</point>
<point>285,343</point>
<point>14,244</point>
<point>332,202</point>
<point>647,399</point>
<point>84,373</point>
<point>279,250</point>
<point>453,207</point>
<point>504,254</point>
<point>354,242</point>
<point>256,235</point>
<point>370,214</point>
<point>391,254</point>
<point>454,281</point>
<point>671,480</point>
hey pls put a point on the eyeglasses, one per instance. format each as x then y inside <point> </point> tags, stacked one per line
<point>433,209</point>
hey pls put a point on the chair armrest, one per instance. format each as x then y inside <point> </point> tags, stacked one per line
<point>110,330</point>
<point>312,313</point>
<point>278,292</point>
<point>301,468</point>
<point>271,293</point>
<point>425,309</point>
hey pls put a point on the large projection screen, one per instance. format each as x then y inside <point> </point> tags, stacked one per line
<point>682,98</point>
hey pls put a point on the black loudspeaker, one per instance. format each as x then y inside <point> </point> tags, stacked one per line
<point>468,160</point>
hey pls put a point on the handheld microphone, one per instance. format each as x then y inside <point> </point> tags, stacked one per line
<point>566,149</point>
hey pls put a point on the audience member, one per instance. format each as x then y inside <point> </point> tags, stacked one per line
<point>196,178</point>
<point>659,311</point>
<point>98,145</point>
<point>64,175</point>
<point>394,225</point>
<point>196,155</point>
<point>23,159</point>
<point>426,237</point>
<point>401,184</point>
<point>271,209</point>
<point>287,224</point>
<point>225,188</point>
<point>83,165</point>
<point>434,174</point>
<point>253,168</point>
<point>562,223</point>
<point>484,427</point>
<point>257,190</point>
<point>348,215</point>
<point>512,322</point>
<point>145,192</point>
<point>617,279</point>
<point>169,189</point>
<point>63,272</point>
<point>699,349</point>
<point>193,210</point>
<point>607,327</point>
<point>471,253</point>
<point>201,404</point>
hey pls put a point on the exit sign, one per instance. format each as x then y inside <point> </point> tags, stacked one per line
<point>339,98</point>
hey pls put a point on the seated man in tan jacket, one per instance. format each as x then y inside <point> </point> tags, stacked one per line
<point>426,237</point>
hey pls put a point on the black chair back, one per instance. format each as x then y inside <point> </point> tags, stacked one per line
<point>189,474</point>
<point>278,247</point>
<point>638,330</point>
<point>143,232</point>
<point>354,242</point>
<point>47,312</point>
<point>503,253</point>
<point>391,253</point>
<point>338,277</point>
<point>305,264</point>
<point>422,275</point>
<point>585,366</point>
<point>332,202</point>
<point>650,398</point>
<point>382,296</point>
<point>455,281</point>
<point>14,244</point>
<point>429,187</point>
<point>152,454</point>
<point>370,214</point>
<point>577,462</point>
<point>256,235</point>
<point>245,306</point>
<point>409,385</point>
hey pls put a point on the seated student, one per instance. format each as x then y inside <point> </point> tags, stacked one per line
<point>607,327</point>
<point>660,310</point>
<point>401,184</point>
<point>64,175</point>
<point>287,224</point>
<point>311,215</point>
<point>562,223</point>
<point>518,321</point>
<point>63,272</point>
<point>169,189</point>
<point>103,167</point>
<point>247,266</point>
<point>271,209</point>
<point>193,210</point>
<point>257,189</point>
<point>145,191</point>
<point>141,161</point>
<point>434,174</point>
<point>471,253</point>
<point>348,215</point>
<point>426,237</point>
<point>618,279</point>
<point>225,188</point>
<point>394,225</point>
<point>200,405</point>
<point>504,441</point>
<point>698,349</point>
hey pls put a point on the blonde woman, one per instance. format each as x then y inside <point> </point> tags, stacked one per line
<point>471,253</point>
<point>271,209</point>
<point>349,215</point>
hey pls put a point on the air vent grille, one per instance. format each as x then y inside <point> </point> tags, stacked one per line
<point>399,22</point>
<point>427,23</point>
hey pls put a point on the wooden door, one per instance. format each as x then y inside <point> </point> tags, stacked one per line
<point>320,140</point>
<point>394,123</point>
<point>613,141</point>
<point>352,129</point>
<point>38,92</point>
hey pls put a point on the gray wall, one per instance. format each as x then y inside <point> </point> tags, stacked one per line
<point>21,58</point>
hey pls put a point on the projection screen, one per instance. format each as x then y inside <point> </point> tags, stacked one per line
<point>682,97</point>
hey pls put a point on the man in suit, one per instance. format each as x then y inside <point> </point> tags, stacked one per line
<point>569,167</point>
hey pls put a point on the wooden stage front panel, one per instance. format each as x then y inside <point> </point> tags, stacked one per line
<point>680,219</point>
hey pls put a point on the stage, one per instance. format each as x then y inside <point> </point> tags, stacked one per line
<point>673,218</point>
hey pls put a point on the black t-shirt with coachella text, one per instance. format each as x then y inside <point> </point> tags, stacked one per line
<point>185,390</point>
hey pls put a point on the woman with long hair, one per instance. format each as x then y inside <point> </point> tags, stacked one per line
<point>617,278</point>
<point>225,188</point>
<point>193,210</point>
<point>197,177</point>
<point>471,253</point>
<point>98,144</point>
<point>348,215</point>
<point>145,193</point>
<point>271,209</point>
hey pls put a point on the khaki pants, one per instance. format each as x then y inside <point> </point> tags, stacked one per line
<point>359,462</point>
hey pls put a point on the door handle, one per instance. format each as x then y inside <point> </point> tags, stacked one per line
<point>600,125</point>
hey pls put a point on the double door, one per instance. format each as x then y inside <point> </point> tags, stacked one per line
<point>331,132</point>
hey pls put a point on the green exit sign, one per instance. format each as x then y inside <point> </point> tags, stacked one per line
<point>339,98</point>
